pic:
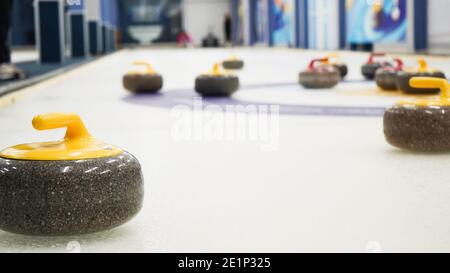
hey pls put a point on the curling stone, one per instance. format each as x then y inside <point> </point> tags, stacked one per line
<point>386,77</point>
<point>320,76</point>
<point>233,63</point>
<point>74,186</point>
<point>404,78</point>
<point>143,82</point>
<point>340,66</point>
<point>216,83</point>
<point>421,125</point>
<point>370,68</point>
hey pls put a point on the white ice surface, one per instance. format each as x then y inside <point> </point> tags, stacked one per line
<point>333,184</point>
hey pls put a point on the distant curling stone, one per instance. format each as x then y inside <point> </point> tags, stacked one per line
<point>404,78</point>
<point>75,186</point>
<point>422,125</point>
<point>143,82</point>
<point>233,64</point>
<point>341,67</point>
<point>216,83</point>
<point>370,68</point>
<point>387,77</point>
<point>320,76</point>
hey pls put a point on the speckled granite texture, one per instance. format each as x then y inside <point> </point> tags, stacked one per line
<point>216,86</point>
<point>386,79</point>
<point>58,198</point>
<point>342,68</point>
<point>317,79</point>
<point>369,70</point>
<point>423,129</point>
<point>233,64</point>
<point>137,83</point>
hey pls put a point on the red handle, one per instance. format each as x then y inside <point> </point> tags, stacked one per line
<point>399,64</point>
<point>313,62</point>
<point>375,54</point>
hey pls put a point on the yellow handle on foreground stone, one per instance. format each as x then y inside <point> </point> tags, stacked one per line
<point>76,130</point>
<point>77,144</point>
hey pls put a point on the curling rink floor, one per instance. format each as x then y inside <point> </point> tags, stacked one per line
<point>320,177</point>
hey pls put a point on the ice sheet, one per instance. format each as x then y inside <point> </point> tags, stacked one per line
<point>332,184</point>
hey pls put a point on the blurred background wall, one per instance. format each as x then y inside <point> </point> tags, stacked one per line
<point>439,26</point>
<point>401,25</point>
<point>203,16</point>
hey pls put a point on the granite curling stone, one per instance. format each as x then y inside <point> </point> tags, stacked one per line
<point>320,76</point>
<point>216,83</point>
<point>233,64</point>
<point>404,78</point>
<point>386,77</point>
<point>341,67</point>
<point>421,125</point>
<point>70,187</point>
<point>148,82</point>
<point>370,68</point>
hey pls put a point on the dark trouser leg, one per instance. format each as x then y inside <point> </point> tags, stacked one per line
<point>5,24</point>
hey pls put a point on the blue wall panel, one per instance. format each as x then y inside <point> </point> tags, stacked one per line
<point>51,31</point>
<point>342,24</point>
<point>77,35</point>
<point>420,24</point>
<point>301,23</point>
<point>93,37</point>
<point>109,12</point>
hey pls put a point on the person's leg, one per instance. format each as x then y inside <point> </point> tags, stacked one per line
<point>5,24</point>
<point>8,71</point>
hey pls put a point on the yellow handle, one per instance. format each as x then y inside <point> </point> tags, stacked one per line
<point>76,130</point>
<point>216,69</point>
<point>430,83</point>
<point>423,65</point>
<point>78,144</point>
<point>333,55</point>
<point>147,65</point>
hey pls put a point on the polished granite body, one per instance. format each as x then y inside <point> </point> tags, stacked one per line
<point>216,85</point>
<point>343,69</point>
<point>233,64</point>
<point>421,129</point>
<point>56,198</point>
<point>320,78</point>
<point>137,83</point>
<point>369,70</point>
<point>386,79</point>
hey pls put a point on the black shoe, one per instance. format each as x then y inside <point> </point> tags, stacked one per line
<point>11,72</point>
